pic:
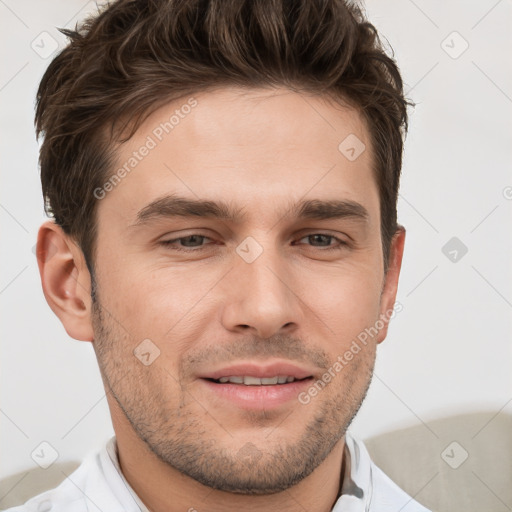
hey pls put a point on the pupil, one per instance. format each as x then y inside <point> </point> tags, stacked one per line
<point>320,237</point>
<point>191,238</point>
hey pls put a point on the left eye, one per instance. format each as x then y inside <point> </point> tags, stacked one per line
<point>324,240</point>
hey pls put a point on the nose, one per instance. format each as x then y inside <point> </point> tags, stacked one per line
<point>259,296</point>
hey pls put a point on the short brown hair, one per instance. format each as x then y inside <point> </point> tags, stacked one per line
<point>136,55</point>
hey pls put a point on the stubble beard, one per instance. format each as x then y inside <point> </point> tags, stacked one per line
<point>182,439</point>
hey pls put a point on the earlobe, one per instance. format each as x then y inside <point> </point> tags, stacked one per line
<point>66,280</point>
<point>390,286</point>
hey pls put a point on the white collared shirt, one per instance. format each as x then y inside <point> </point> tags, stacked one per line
<point>98,485</point>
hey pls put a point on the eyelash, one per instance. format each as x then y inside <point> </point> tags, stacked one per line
<point>170,243</point>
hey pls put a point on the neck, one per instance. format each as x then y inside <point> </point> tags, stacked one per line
<point>164,489</point>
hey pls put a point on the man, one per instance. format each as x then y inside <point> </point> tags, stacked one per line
<point>223,179</point>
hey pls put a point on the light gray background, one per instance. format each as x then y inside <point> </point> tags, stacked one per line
<point>448,352</point>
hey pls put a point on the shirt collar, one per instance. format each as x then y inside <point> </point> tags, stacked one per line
<point>356,489</point>
<point>114,457</point>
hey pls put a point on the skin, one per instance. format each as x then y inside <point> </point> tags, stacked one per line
<point>181,446</point>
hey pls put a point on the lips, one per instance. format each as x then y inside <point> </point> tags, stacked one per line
<point>252,374</point>
<point>249,380</point>
<point>256,386</point>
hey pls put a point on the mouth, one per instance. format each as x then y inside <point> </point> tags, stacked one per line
<point>257,387</point>
<point>250,380</point>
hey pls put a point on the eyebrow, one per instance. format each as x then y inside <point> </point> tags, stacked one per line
<point>176,206</point>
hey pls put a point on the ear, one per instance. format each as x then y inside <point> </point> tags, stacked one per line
<point>390,286</point>
<point>66,280</point>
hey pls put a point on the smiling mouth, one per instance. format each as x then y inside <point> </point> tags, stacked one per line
<point>248,380</point>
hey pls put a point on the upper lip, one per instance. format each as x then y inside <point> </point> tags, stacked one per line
<point>258,370</point>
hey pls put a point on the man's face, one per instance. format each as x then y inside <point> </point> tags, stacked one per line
<point>185,302</point>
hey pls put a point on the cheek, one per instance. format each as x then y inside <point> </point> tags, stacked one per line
<point>346,300</point>
<point>160,304</point>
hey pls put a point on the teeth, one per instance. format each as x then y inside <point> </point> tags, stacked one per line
<point>252,381</point>
<point>269,380</point>
<point>256,381</point>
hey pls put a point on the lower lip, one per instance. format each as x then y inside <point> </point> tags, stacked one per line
<point>258,397</point>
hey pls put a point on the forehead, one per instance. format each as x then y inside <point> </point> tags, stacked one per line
<point>252,147</point>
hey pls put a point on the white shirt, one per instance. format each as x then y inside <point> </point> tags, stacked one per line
<point>98,485</point>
